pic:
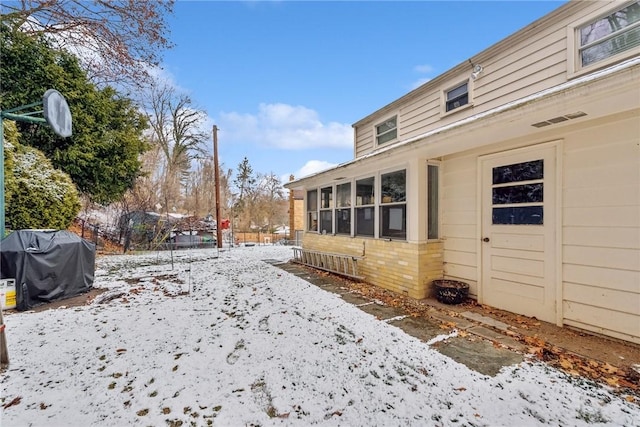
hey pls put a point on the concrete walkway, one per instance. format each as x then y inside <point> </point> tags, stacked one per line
<point>476,343</point>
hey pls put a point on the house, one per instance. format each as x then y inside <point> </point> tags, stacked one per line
<point>517,172</point>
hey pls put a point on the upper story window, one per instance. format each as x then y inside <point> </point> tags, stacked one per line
<point>608,36</point>
<point>387,131</point>
<point>457,97</point>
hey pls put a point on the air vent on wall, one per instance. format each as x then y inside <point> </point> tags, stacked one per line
<point>559,119</point>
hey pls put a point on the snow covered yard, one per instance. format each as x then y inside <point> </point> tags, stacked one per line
<point>235,341</point>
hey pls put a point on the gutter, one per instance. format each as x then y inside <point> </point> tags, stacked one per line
<point>581,81</point>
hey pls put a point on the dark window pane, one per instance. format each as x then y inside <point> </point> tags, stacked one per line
<point>610,24</point>
<point>611,47</point>
<point>325,222</point>
<point>386,126</point>
<point>526,215</point>
<point>387,131</point>
<point>364,221</point>
<point>343,195</point>
<point>457,97</point>
<point>326,198</point>
<point>457,102</point>
<point>519,172</point>
<point>432,201</point>
<point>528,193</point>
<point>393,222</point>
<point>389,136</point>
<point>394,187</point>
<point>312,200</point>
<point>365,192</point>
<point>312,221</point>
<point>457,92</point>
<point>343,221</point>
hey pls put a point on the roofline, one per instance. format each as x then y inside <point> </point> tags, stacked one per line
<point>522,34</point>
<point>628,64</point>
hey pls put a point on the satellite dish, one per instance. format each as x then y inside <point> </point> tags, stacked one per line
<point>57,113</point>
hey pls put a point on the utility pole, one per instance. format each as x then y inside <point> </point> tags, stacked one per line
<point>217,177</point>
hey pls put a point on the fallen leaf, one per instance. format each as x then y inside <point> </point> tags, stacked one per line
<point>612,381</point>
<point>15,401</point>
<point>609,368</point>
<point>566,364</point>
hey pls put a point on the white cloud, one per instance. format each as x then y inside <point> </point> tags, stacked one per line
<point>419,82</point>
<point>423,69</point>
<point>313,166</point>
<point>285,126</point>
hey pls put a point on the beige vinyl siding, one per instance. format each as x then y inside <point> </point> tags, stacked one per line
<point>364,140</point>
<point>601,229</point>
<point>518,67</point>
<point>419,115</point>
<point>459,217</point>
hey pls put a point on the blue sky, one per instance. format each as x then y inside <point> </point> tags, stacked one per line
<point>284,81</point>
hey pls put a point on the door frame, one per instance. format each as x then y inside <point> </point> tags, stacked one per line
<point>557,145</point>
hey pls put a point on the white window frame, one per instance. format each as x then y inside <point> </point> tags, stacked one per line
<point>309,213</point>
<point>437,164</point>
<point>382,204</point>
<point>444,95</point>
<point>324,209</point>
<point>372,205</point>
<point>388,131</point>
<point>347,206</point>
<point>574,64</point>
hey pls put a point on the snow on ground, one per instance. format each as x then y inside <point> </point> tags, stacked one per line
<point>231,340</point>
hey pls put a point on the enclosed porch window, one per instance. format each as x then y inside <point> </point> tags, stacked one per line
<point>393,206</point>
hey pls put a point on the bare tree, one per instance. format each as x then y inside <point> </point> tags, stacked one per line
<point>273,204</point>
<point>177,130</point>
<point>116,39</point>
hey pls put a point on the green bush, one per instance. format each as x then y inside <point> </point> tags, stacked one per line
<point>36,194</point>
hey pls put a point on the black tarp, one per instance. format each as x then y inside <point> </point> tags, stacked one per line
<point>47,265</point>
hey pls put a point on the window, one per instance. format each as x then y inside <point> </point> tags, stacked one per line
<point>433,220</point>
<point>387,131</point>
<point>609,35</point>
<point>457,97</point>
<point>365,210</point>
<point>343,208</point>
<point>326,210</point>
<point>312,210</point>
<point>393,205</point>
<point>518,194</point>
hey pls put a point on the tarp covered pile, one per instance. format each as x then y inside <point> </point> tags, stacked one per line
<point>47,265</point>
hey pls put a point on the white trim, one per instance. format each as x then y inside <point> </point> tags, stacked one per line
<point>583,80</point>
<point>556,145</point>
<point>559,144</point>
<point>439,165</point>
<point>380,123</point>
<point>574,68</point>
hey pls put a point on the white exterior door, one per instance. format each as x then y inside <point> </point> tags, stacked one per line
<point>518,198</point>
